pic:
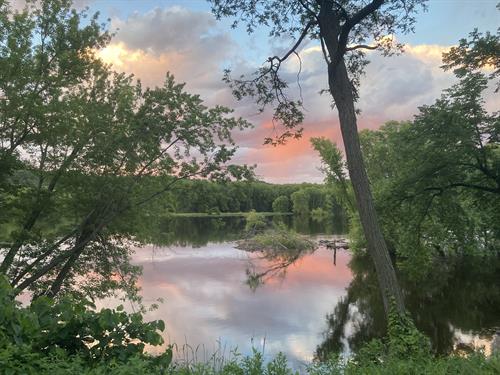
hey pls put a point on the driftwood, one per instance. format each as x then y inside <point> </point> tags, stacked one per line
<point>335,244</point>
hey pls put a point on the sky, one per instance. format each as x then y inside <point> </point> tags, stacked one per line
<point>182,37</point>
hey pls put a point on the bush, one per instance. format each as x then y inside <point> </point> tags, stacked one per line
<point>255,221</point>
<point>277,240</point>
<point>71,332</point>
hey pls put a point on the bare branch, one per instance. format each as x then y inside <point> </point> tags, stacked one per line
<point>295,46</point>
<point>298,76</point>
<point>362,46</point>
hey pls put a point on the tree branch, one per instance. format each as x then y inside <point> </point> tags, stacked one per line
<point>295,46</point>
<point>306,6</point>
<point>361,46</point>
<point>353,21</point>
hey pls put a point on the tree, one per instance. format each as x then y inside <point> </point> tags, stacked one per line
<point>300,202</point>
<point>281,204</point>
<point>343,28</point>
<point>90,139</point>
<point>436,179</point>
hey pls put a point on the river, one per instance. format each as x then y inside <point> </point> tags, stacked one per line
<point>320,303</point>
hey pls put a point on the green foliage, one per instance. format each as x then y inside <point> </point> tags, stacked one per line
<point>300,203</point>
<point>334,168</point>
<point>403,341</point>
<point>478,52</point>
<point>319,214</point>
<point>255,221</point>
<point>436,180</point>
<point>86,175</point>
<point>281,204</point>
<point>69,334</point>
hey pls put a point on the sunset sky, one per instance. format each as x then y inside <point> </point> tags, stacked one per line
<point>153,37</point>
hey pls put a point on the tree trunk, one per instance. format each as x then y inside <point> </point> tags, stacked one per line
<point>341,90</point>
<point>40,205</point>
<point>55,288</point>
<point>18,243</point>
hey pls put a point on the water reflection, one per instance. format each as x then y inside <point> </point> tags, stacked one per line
<point>203,280</point>
<point>460,302</point>
<point>207,298</point>
<point>199,231</point>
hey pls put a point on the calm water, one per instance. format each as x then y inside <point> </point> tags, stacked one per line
<point>306,308</point>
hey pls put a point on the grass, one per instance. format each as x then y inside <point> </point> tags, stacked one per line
<point>36,364</point>
<point>226,214</point>
<point>277,240</point>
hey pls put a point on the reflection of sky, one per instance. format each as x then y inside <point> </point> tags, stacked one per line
<point>206,299</point>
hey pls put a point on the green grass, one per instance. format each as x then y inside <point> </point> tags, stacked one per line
<point>226,214</point>
<point>16,361</point>
<point>279,241</point>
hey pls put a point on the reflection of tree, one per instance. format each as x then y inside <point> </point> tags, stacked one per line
<point>271,264</point>
<point>192,231</point>
<point>463,293</point>
<point>198,231</point>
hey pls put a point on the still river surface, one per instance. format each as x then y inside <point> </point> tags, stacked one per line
<point>320,303</point>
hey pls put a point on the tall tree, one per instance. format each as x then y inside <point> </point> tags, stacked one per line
<point>344,29</point>
<point>89,138</point>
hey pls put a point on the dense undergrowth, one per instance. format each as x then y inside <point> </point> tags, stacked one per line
<point>70,337</point>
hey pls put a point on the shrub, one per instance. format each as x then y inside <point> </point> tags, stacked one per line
<point>34,337</point>
<point>255,221</point>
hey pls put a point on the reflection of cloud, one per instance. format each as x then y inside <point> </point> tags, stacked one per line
<point>476,341</point>
<point>206,298</point>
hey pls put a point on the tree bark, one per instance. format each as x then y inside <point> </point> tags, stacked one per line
<point>341,90</point>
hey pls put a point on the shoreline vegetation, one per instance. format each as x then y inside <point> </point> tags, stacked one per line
<point>226,214</point>
<point>92,161</point>
<point>68,336</point>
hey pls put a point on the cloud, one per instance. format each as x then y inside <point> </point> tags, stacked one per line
<point>392,89</point>
<point>173,29</point>
<point>184,42</point>
<point>77,4</point>
<point>189,44</point>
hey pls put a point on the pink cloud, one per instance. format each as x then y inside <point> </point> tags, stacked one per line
<point>392,89</point>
